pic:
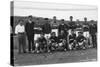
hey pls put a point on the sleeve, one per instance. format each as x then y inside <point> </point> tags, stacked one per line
<point>45,39</point>
<point>26,28</point>
<point>16,30</point>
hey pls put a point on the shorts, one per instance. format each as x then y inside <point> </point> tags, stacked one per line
<point>86,34</point>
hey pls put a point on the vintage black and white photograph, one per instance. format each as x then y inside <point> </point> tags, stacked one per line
<point>50,33</point>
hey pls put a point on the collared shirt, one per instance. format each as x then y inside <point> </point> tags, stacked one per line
<point>19,29</point>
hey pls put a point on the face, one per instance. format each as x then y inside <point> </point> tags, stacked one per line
<point>41,35</point>
<point>21,23</point>
<point>62,22</point>
<point>85,19</point>
<point>62,32</point>
<point>80,34</point>
<point>72,32</point>
<point>30,19</point>
<point>53,34</point>
<point>54,18</point>
<point>71,18</point>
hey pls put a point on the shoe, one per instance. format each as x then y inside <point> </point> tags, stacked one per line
<point>37,51</point>
<point>50,53</point>
<point>33,52</point>
<point>24,52</point>
<point>65,49</point>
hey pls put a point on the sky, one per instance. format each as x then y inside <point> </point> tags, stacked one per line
<point>61,11</point>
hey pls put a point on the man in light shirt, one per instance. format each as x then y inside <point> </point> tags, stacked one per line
<point>20,31</point>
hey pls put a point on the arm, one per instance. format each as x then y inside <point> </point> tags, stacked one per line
<point>16,30</point>
<point>26,28</point>
<point>68,39</point>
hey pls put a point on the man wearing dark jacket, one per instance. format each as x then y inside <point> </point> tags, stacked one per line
<point>72,24</point>
<point>63,27</point>
<point>29,28</point>
<point>46,28</point>
<point>93,31</point>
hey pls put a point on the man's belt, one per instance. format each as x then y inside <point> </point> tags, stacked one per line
<point>21,33</point>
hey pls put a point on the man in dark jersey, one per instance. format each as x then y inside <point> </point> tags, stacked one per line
<point>41,42</point>
<point>46,28</point>
<point>62,40</point>
<point>63,27</point>
<point>29,28</point>
<point>81,40</point>
<point>72,24</point>
<point>53,41</point>
<point>72,40</point>
<point>86,31</point>
<point>93,31</point>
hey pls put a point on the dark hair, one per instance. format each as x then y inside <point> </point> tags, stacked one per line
<point>80,32</point>
<point>52,33</point>
<point>85,18</point>
<point>62,19</point>
<point>46,19</point>
<point>71,16</point>
<point>54,16</point>
<point>30,16</point>
<point>20,20</point>
<point>42,33</point>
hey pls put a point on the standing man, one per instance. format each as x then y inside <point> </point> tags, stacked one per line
<point>72,24</point>
<point>29,28</point>
<point>46,28</point>
<point>92,32</point>
<point>63,27</point>
<point>20,31</point>
<point>86,32</point>
<point>54,25</point>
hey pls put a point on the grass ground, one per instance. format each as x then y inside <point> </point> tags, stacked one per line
<point>56,57</point>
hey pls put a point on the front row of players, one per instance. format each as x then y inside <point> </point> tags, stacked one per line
<point>62,42</point>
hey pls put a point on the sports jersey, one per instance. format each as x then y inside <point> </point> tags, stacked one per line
<point>53,39</point>
<point>80,38</point>
<point>41,39</point>
<point>72,37</point>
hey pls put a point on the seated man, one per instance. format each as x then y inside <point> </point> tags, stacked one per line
<point>86,33</point>
<point>81,40</point>
<point>62,40</point>
<point>53,41</point>
<point>41,43</point>
<point>72,40</point>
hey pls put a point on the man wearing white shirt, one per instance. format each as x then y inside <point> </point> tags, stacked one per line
<point>20,31</point>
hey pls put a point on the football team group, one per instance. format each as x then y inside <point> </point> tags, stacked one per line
<point>70,36</point>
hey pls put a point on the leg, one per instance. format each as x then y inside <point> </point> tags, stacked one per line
<point>24,44</point>
<point>29,45</point>
<point>20,44</point>
<point>33,45</point>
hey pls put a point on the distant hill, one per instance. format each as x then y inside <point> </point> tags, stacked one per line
<point>41,21</point>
